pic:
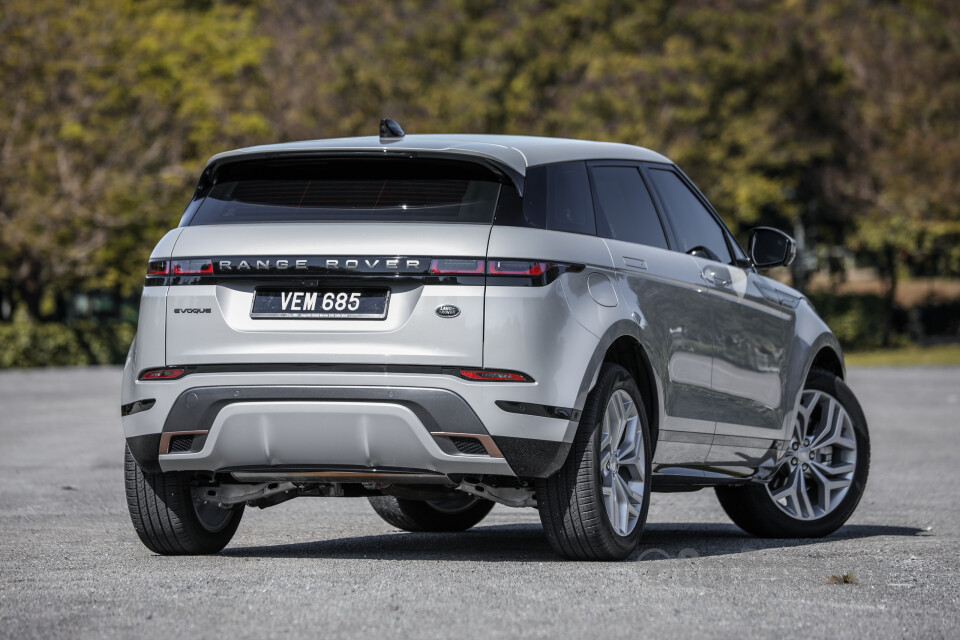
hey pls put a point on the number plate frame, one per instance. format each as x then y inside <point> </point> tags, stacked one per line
<point>271,303</point>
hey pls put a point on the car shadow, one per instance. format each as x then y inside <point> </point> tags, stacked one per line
<point>528,543</point>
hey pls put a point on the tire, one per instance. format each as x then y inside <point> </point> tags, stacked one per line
<point>816,488</point>
<point>166,518</point>
<point>453,514</point>
<point>583,518</point>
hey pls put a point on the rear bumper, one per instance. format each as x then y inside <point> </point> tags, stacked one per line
<point>199,424</point>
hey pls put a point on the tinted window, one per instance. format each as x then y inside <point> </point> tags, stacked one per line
<point>350,190</point>
<point>557,197</point>
<point>625,209</point>
<point>696,229</point>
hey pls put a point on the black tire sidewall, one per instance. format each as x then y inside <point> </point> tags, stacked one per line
<point>163,514</point>
<point>620,379</point>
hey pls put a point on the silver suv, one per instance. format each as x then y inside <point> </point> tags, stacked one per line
<point>439,323</point>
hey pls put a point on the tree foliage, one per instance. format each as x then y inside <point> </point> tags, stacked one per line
<point>108,109</point>
<point>841,117</point>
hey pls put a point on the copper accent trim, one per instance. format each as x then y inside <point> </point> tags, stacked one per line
<point>492,449</point>
<point>166,436</point>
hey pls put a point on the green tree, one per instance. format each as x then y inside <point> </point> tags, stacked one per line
<point>109,109</point>
<point>898,185</point>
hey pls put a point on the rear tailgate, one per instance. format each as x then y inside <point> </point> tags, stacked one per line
<point>216,323</point>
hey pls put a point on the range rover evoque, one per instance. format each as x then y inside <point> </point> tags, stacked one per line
<point>439,323</point>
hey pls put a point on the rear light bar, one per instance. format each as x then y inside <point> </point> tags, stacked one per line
<point>162,374</point>
<point>465,271</point>
<point>528,268</point>
<point>490,375</point>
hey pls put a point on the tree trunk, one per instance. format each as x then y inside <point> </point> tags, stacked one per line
<point>31,298</point>
<point>889,262</point>
<point>798,269</point>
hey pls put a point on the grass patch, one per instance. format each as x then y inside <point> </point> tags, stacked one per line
<point>847,578</point>
<point>945,354</point>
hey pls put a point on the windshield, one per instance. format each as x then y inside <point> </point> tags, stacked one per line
<point>350,190</point>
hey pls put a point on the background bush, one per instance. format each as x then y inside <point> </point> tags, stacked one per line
<point>49,344</point>
<point>858,320</point>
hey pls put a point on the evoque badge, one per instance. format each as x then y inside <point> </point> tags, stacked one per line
<point>448,311</point>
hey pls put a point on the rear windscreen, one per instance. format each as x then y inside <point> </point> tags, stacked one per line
<point>350,190</point>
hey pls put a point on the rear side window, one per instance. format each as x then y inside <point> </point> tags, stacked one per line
<point>625,210</point>
<point>350,190</point>
<point>696,229</point>
<point>556,197</point>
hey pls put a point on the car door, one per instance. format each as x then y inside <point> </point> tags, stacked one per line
<point>752,327</point>
<point>665,292</point>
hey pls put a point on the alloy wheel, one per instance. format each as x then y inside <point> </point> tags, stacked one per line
<point>817,470</point>
<point>622,461</point>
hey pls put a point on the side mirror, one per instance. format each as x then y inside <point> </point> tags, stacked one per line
<point>771,248</point>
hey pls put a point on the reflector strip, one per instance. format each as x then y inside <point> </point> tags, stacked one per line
<point>494,376</point>
<point>162,374</point>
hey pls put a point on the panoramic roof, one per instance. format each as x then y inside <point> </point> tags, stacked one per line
<point>516,152</point>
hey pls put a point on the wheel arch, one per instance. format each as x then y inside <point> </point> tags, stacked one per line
<point>627,352</point>
<point>621,344</point>
<point>829,359</point>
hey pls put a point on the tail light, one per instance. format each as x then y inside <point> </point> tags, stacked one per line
<point>490,375</point>
<point>517,268</point>
<point>158,268</point>
<point>192,267</point>
<point>447,266</point>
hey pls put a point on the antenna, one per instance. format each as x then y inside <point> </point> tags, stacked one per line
<point>390,130</point>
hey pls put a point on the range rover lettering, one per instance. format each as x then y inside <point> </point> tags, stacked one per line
<point>439,323</point>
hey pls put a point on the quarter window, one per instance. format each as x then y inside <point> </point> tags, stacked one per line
<point>557,197</point>
<point>625,210</point>
<point>697,231</point>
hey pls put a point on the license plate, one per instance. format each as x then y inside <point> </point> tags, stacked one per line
<point>323,304</point>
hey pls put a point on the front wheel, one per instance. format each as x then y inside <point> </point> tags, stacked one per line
<point>169,519</point>
<point>595,506</point>
<point>821,476</point>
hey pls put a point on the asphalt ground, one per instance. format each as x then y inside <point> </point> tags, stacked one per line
<point>72,567</point>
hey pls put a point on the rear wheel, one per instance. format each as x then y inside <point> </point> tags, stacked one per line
<point>457,513</point>
<point>169,519</point>
<point>822,475</point>
<point>595,506</point>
